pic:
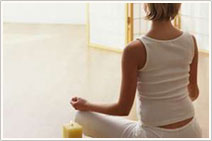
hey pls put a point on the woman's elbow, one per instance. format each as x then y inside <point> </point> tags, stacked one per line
<point>124,111</point>
<point>194,92</point>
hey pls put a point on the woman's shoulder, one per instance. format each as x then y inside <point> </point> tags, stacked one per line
<point>134,46</point>
<point>136,51</point>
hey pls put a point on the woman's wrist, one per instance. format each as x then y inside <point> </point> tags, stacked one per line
<point>101,108</point>
<point>88,106</point>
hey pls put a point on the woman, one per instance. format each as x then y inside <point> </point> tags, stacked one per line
<point>162,65</point>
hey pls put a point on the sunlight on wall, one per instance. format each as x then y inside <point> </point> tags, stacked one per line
<point>44,12</point>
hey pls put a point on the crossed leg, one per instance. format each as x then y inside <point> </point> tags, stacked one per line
<point>105,126</point>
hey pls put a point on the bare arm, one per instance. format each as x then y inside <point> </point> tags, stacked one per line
<point>193,87</point>
<point>131,60</point>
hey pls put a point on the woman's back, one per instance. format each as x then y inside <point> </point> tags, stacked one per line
<point>163,80</point>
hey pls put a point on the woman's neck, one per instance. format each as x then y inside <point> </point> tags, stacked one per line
<point>161,25</point>
<point>163,30</point>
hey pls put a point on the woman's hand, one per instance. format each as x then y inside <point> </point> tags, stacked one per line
<point>79,103</point>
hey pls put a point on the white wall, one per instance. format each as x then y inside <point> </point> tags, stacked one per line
<point>44,12</point>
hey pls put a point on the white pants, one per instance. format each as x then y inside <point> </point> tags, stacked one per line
<point>104,126</point>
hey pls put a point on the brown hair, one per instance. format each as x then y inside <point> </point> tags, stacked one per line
<point>161,11</point>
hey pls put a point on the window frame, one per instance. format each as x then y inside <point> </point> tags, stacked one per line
<point>128,28</point>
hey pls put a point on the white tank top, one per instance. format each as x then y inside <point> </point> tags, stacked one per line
<point>162,82</point>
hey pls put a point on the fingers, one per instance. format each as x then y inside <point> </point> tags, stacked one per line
<point>74,98</point>
<point>78,103</point>
<point>74,102</point>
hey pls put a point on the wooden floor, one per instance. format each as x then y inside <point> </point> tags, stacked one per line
<point>45,65</point>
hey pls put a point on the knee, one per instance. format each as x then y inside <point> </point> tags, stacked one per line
<point>87,120</point>
<point>78,117</point>
<point>81,116</point>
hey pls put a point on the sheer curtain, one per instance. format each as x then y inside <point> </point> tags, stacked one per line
<point>141,26</point>
<point>195,19</point>
<point>107,24</point>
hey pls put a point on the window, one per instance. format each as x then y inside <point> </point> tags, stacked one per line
<point>194,18</point>
<point>110,27</point>
<point>107,25</point>
<point>141,26</point>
